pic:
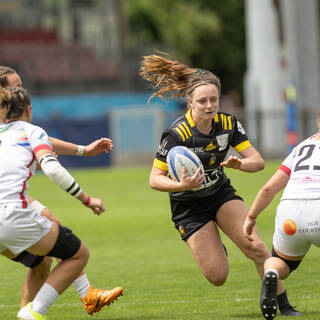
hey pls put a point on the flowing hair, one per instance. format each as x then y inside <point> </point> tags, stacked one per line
<point>171,78</point>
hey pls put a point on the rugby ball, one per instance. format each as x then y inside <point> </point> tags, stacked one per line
<point>179,157</point>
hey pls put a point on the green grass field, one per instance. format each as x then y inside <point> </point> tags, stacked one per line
<point>134,245</point>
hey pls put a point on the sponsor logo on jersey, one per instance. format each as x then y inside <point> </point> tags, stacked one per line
<point>197,149</point>
<point>222,140</point>
<point>210,146</point>
<point>212,160</point>
<point>181,230</point>
<point>162,148</point>
<point>240,128</point>
<point>210,178</point>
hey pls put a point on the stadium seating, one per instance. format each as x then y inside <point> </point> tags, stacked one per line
<point>41,58</point>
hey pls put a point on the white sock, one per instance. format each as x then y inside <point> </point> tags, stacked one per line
<point>82,285</point>
<point>46,296</point>
<point>273,270</point>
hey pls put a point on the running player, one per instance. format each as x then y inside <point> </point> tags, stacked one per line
<point>39,266</point>
<point>209,133</point>
<point>297,223</point>
<point>20,227</point>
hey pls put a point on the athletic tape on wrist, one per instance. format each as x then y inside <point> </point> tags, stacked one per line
<point>59,175</point>
<point>86,203</point>
<point>80,150</point>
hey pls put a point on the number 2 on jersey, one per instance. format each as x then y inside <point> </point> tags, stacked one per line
<point>299,165</point>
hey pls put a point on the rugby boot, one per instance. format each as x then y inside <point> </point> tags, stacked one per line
<point>96,299</point>
<point>26,313</point>
<point>289,310</point>
<point>268,298</point>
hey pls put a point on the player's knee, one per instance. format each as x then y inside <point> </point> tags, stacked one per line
<point>82,255</point>
<point>257,251</point>
<point>217,278</point>
<point>67,244</point>
<point>43,269</point>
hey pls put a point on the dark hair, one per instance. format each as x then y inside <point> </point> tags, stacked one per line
<point>4,71</point>
<point>13,102</point>
<point>171,78</point>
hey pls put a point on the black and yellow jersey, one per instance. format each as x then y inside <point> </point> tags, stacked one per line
<point>210,148</point>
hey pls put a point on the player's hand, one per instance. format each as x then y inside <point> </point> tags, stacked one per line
<point>232,162</point>
<point>96,205</point>
<point>48,214</point>
<point>194,181</point>
<point>247,228</point>
<point>103,145</point>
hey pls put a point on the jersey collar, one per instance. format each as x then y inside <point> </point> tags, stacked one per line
<point>189,118</point>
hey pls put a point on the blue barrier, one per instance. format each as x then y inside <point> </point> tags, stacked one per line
<point>82,119</point>
<point>79,131</point>
<point>93,105</point>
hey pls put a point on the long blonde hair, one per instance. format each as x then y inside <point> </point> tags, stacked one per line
<point>171,78</point>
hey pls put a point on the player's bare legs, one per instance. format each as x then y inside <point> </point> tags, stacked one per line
<point>34,280</point>
<point>67,270</point>
<point>208,251</point>
<point>230,219</point>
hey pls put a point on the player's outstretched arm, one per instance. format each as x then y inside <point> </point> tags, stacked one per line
<point>263,198</point>
<point>62,178</point>
<point>103,145</point>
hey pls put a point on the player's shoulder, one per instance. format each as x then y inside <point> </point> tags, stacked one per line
<point>226,121</point>
<point>181,128</point>
<point>29,128</point>
<point>314,139</point>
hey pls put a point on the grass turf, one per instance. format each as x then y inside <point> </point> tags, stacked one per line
<point>134,245</point>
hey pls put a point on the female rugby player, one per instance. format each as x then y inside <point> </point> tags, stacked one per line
<point>297,219</point>
<point>209,133</point>
<point>39,266</point>
<point>21,228</point>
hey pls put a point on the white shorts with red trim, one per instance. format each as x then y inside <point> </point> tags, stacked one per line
<point>297,226</point>
<point>21,228</point>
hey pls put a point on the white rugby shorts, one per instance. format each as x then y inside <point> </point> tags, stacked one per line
<point>21,228</point>
<point>297,226</point>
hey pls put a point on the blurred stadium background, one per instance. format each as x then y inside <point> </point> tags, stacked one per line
<point>80,60</point>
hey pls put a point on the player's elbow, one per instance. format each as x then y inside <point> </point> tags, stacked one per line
<point>260,165</point>
<point>49,171</point>
<point>267,191</point>
<point>152,183</point>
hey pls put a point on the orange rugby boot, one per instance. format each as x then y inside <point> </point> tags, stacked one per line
<point>96,299</point>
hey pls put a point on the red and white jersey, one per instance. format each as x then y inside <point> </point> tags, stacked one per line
<point>19,141</point>
<point>303,167</point>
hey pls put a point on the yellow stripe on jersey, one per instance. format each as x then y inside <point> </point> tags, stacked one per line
<point>181,134</point>
<point>189,118</point>
<point>187,128</point>
<point>229,122</point>
<point>223,121</point>
<point>160,164</point>
<point>216,118</point>
<point>184,131</point>
<point>243,146</point>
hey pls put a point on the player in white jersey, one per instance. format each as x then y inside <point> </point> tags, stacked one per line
<point>21,228</point>
<point>39,266</point>
<point>297,224</point>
